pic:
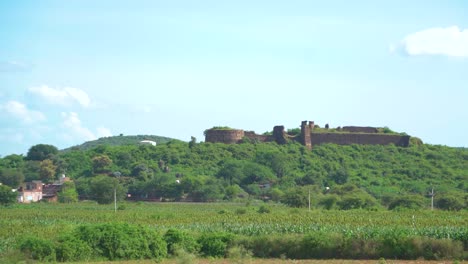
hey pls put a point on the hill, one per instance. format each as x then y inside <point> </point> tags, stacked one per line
<point>356,175</point>
<point>339,177</point>
<point>119,141</point>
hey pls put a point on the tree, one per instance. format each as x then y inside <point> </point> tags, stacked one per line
<point>12,161</point>
<point>101,163</point>
<point>47,170</point>
<point>407,201</point>
<point>193,142</point>
<point>11,177</point>
<point>68,193</point>
<point>7,196</point>
<point>31,170</point>
<point>296,197</point>
<point>450,202</point>
<point>41,152</point>
<point>231,172</point>
<point>102,189</point>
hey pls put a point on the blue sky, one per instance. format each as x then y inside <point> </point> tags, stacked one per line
<point>72,71</point>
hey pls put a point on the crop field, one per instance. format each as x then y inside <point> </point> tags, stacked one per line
<point>243,220</point>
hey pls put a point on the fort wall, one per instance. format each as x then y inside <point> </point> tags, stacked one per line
<point>306,130</point>
<point>359,138</point>
<point>259,138</point>
<point>357,129</point>
<point>227,136</point>
<point>308,138</point>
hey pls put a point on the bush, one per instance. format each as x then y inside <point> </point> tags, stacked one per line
<point>407,201</point>
<point>179,240</point>
<point>449,202</point>
<point>282,246</point>
<point>263,210</point>
<point>241,211</point>
<point>321,245</point>
<point>215,244</point>
<point>38,249</point>
<point>329,201</point>
<point>123,241</point>
<point>70,248</point>
<point>7,197</point>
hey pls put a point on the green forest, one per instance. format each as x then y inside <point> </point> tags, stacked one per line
<point>370,177</point>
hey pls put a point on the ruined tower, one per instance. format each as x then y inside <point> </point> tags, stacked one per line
<point>306,130</point>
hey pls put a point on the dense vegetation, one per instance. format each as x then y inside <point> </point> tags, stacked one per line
<point>119,141</point>
<point>339,177</point>
<point>88,231</point>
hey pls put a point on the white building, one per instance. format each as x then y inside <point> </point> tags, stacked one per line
<point>149,142</point>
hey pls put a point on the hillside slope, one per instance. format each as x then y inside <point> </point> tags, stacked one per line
<point>119,141</point>
<point>364,175</point>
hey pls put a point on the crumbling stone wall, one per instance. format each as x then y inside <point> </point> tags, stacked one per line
<point>228,136</point>
<point>279,135</point>
<point>358,129</point>
<point>353,135</point>
<point>306,130</point>
<point>359,138</point>
<point>258,138</point>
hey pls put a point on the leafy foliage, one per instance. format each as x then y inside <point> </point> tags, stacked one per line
<point>120,140</point>
<point>41,152</point>
<point>7,197</point>
<point>179,171</point>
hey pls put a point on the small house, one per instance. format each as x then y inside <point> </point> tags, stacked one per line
<point>30,192</point>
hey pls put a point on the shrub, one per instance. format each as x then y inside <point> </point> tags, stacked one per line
<point>123,241</point>
<point>407,201</point>
<point>179,240</point>
<point>241,211</point>
<point>7,197</point>
<point>321,245</point>
<point>70,248</point>
<point>449,202</point>
<point>38,249</point>
<point>263,210</point>
<point>215,244</point>
<point>329,201</point>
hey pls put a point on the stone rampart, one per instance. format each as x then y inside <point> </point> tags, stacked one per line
<point>228,136</point>
<point>345,136</point>
<point>259,138</point>
<point>359,138</point>
<point>358,129</point>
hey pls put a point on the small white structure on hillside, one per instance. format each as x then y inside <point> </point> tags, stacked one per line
<point>149,142</point>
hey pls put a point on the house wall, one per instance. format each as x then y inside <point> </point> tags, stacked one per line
<point>29,196</point>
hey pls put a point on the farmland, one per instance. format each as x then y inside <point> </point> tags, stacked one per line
<point>245,221</point>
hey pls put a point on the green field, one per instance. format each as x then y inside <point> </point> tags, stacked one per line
<point>245,221</point>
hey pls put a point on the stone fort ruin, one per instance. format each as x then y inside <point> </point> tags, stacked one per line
<point>310,135</point>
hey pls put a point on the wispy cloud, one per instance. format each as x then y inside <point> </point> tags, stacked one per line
<point>20,111</point>
<point>62,96</point>
<point>449,41</point>
<point>75,129</point>
<point>14,66</point>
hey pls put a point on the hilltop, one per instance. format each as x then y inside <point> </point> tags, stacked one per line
<point>119,141</point>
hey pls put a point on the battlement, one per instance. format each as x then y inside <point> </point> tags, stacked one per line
<point>311,136</point>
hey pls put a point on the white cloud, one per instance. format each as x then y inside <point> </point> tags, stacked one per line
<point>21,111</point>
<point>449,41</point>
<point>62,96</point>
<point>74,128</point>
<point>73,123</point>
